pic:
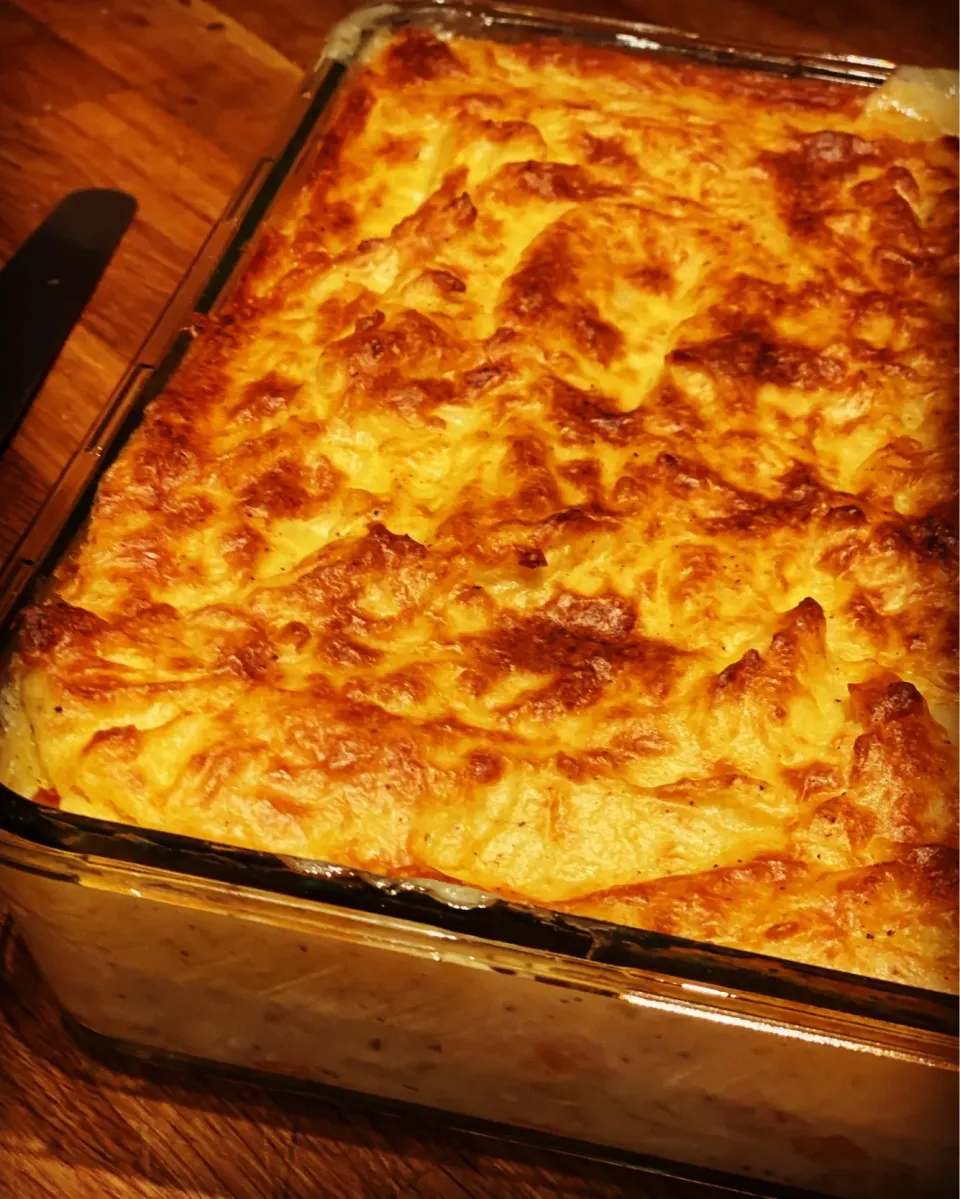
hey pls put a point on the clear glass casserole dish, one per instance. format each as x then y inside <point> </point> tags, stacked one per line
<point>642,1046</point>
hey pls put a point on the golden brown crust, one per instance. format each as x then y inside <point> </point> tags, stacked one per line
<point>565,506</point>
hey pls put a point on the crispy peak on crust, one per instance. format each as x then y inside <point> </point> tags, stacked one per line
<point>565,504</point>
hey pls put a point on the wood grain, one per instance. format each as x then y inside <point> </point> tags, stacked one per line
<point>171,100</point>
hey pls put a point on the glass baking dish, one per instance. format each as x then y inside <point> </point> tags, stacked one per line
<point>668,1054</point>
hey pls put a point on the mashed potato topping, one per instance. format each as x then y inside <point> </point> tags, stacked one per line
<point>563,506</point>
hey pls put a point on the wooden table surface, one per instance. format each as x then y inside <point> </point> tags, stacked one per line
<point>170,100</point>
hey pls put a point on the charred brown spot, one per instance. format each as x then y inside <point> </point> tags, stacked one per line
<point>475,682</point>
<point>378,349</point>
<point>904,769</point>
<point>570,691</point>
<point>350,120</point>
<point>845,516</point>
<point>771,681</point>
<point>630,492</point>
<point>696,571</point>
<point>484,766</point>
<point>933,871</point>
<point>295,633</point>
<point>479,104</point>
<point>658,279</point>
<point>804,623</point>
<point>400,149</point>
<point>445,281</point>
<point>535,289</point>
<point>122,741</point>
<point>724,884</point>
<point>252,660</point>
<point>165,456</point>
<point>532,558</point>
<point>342,650</point>
<point>813,780</point>
<point>550,181</point>
<point>589,518</point>
<point>854,821</point>
<point>581,641</point>
<point>380,549</point>
<point>882,700</point>
<point>739,675</point>
<point>489,374</point>
<point>243,546</point>
<point>759,356</point>
<point>54,626</point>
<point>683,475</point>
<point>545,289</point>
<point>606,151</point>
<point>187,511</point>
<point>802,500</point>
<point>569,766</point>
<point>807,176</point>
<point>581,415</point>
<point>277,493</point>
<point>783,930</point>
<point>570,632</point>
<point>417,56</point>
<point>529,461</point>
<point>333,217</point>
<point>414,398</point>
<point>48,798</point>
<point>506,131</point>
<point>286,805</point>
<point>585,474</point>
<point>596,338</point>
<point>934,537</point>
<point>147,613</point>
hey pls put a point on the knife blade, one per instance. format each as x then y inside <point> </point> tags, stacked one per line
<point>45,287</point>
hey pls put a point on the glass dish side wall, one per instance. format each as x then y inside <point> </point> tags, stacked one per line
<point>416,1014</point>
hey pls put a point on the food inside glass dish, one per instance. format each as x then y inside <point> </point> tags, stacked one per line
<point>564,505</point>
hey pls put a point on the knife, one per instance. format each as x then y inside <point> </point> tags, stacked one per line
<point>45,287</point>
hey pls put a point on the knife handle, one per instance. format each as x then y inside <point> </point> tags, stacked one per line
<point>45,287</point>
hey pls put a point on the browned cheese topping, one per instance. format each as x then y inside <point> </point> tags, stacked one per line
<point>565,505</point>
